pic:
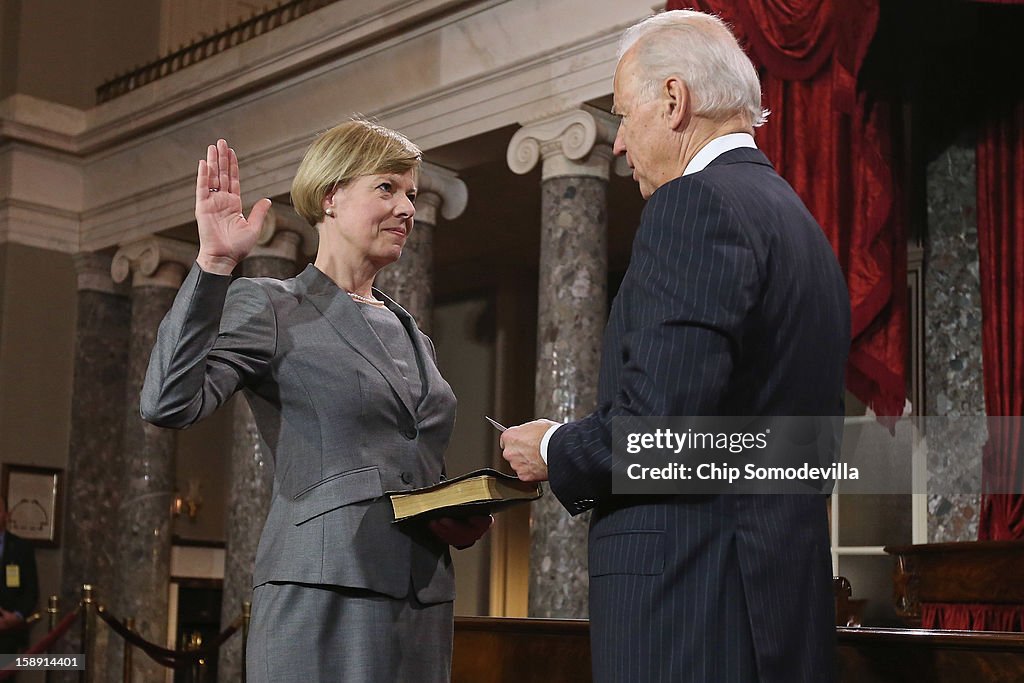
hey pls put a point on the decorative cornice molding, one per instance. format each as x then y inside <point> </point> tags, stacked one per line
<point>451,191</point>
<point>572,143</point>
<point>154,262</point>
<point>35,225</point>
<point>40,122</point>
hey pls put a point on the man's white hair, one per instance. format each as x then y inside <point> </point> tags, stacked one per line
<point>700,49</point>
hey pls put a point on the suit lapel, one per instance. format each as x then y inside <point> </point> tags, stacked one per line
<point>420,348</point>
<point>343,314</point>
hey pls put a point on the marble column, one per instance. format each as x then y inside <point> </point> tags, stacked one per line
<point>410,280</point>
<point>251,468</point>
<point>157,266</point>
<point>954,382</point>
<point>575,153</point>
<point>97,421</point>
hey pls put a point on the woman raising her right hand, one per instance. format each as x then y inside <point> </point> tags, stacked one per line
<point>348,398</point>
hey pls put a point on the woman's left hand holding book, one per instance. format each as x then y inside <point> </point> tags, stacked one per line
<point>461,533</point>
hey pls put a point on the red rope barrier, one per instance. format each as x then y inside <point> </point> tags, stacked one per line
<point>161,655</point>
<point>47,641</point>
<point>168,658</point>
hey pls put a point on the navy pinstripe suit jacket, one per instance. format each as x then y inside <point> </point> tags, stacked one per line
<point>733,304</point>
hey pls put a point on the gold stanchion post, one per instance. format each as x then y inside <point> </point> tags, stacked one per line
<point>129,623</point>
<point>88,607</point>
<point>53,610</point>
<point>246,615</point>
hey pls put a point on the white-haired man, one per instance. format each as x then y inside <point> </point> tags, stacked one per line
<point>733,304</point>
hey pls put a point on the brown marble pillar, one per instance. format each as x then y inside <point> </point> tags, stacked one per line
<point>410,280</point>
<point>97,421</point>
<point>251,468</point>
<point>572,308</point>
<point>157,266</point>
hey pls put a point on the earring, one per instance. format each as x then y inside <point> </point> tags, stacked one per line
<point>329,212</point>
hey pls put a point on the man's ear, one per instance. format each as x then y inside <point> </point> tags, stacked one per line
<point>677,96</point>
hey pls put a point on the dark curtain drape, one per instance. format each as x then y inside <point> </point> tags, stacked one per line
<point>1000,155</point>
<point>832,144</point>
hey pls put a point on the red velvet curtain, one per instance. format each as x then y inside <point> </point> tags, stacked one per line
<point>972,616</point>
<point>1000,155</point>
<point>832,144</point>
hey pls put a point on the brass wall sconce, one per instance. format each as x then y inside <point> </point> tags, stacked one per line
<point>189,503</point>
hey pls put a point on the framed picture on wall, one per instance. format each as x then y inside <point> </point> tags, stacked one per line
<point>33,496</point>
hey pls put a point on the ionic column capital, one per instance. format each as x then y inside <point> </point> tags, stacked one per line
<point>154,262</point>
<point>283,234</point>
<point>572,143</point>
<point>283,228</point>
<point>92,270</point>
<point>440,189</point>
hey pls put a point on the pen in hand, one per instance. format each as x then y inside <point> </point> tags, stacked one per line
<point>497,425</point>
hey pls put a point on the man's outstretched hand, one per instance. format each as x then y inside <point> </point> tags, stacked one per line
<point>521,448</point>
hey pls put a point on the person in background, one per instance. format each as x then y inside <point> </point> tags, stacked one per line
<point>19,591</point>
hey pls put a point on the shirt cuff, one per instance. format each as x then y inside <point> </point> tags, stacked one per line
<point>544,442</point>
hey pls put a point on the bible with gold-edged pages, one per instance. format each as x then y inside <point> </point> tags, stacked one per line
<point>480,492</point>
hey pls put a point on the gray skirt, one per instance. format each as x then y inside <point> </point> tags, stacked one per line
<point>302,633</point>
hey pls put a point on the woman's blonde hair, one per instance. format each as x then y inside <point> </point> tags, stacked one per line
<point>347,151</point>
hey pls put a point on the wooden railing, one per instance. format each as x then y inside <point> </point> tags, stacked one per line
<point>207,46</point>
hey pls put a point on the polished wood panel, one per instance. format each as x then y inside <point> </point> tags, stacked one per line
<point>969,572</point>
<point>502,650</point>
<point>876,655</point>
<point>505,650</point>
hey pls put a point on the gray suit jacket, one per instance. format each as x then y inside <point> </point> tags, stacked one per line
<point>333,409</point>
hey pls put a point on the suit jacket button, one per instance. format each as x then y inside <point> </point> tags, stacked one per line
<point>407,477</point>
<point>410,433</point>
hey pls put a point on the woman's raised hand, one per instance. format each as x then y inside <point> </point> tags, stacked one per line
<point>225,235</point>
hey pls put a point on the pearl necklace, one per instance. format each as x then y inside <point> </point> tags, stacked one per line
<point>365,300</point>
